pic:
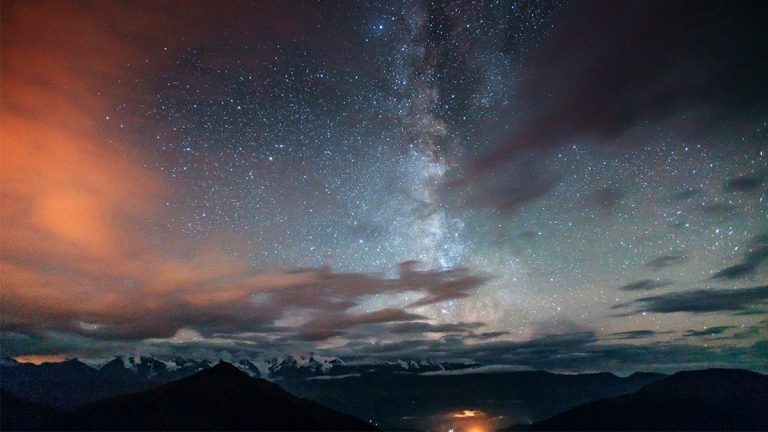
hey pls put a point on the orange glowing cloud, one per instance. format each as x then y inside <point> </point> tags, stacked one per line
<point>40,359</point>
<point>77,200</point>
<point>65,188</point>
<point>85,247</point>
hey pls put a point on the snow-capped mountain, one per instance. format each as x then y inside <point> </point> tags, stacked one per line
<point>248,367</point>
<point>277,367</point>
<point>147,367</point>
<point>421,364</point>
<point>307,362</point>
<point>83,381</point>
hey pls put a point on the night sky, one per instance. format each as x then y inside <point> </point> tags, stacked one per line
<point>566,186</point>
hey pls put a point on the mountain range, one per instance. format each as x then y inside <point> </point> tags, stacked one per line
<point>707,400</point>
<point>221,397</point>
<point>75,382</point>
<point>387,394</point>
<point>395,394</point>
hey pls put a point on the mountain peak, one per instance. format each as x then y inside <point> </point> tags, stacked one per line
<point>221,397</point>
<point>716,373</point>
<point>224,369</point>
<point>712,399</point>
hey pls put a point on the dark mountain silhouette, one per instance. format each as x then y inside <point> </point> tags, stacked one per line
<point>218,398</point>
<point>72,383</point>
<point>714,399</point>
<point>59,385</point>
<point>403,399</point>
<point>19,414</point>
<point>392,393</point>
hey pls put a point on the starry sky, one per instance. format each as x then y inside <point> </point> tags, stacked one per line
<point>570,186</point>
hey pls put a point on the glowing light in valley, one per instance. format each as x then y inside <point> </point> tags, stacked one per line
<point>468,420</point>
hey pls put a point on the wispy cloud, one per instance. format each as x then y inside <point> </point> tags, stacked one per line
<point>665,261</point>
<point>704,300</point>
<point>755,256</point>
<point>644,285</point>
<point>579,83</point>
<point>93,252</point>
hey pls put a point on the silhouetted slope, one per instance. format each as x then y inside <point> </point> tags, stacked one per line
<point>714,399</point>
<point>72,383</point>
<point>403,400</point>
<point>220,398</point>
<point>18,414</point>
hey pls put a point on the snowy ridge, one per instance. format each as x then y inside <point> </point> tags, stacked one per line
<point>308,362</point>
<point>303,366</point>
<point>248,367</point>
<point>97,362</point>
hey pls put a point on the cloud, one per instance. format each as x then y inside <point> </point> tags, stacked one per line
<point>92,251</point>
<point>333,377</point>
<point>509,186</point>
<point>665,261</point>
<point>489,335</point>
<point>709,331</point>
<point>744,183</point>
<point>440,285</point>
<point>608,197</point>
<point>216,294</point>
<point>644,285</point>
<point>77,203</point>
<point>487,369</point>
<point>580,351</point>
<point>582,82</point>
<point>488,352</point>
<point>633,334</point>
<point>716,209</point>
<point>90,262</point>
<point>755,256</point>
<point>685,194</point>
<point>327,326</point>
<point>758,331</point>
<point>734,272</point>
<point>423,327</point>
<point>608,68</point>
<point>704,300</point>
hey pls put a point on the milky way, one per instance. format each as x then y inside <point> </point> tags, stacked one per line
<point>283,177</point>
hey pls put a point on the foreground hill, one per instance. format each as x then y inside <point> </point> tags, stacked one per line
<point>395,394</point>
<point>406,400</point>
<point>73,383</point>
<point>19,414</point>
<point>714,399</point>
<point>219,398</point>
